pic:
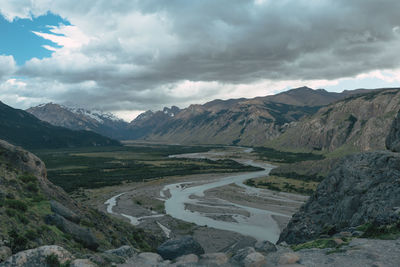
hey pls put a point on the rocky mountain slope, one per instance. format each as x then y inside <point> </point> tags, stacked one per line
<point>235,121</point>
<point>23,129</point>
<point>357,123</point>
<point>80,119</point>
<point>34,212</point>
<point>363,189</point>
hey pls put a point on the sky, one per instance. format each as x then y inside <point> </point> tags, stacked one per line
<point>126,57</point>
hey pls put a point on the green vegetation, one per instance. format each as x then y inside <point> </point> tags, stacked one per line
<point>24,207</point>
<point>16,204</point>
<point>272,155</point>
<point>98,167</point>
<point>53,261</point>
<point>321,244</point>
<point>283,184</point>
<point>372,230</point>
<point>298,176</point>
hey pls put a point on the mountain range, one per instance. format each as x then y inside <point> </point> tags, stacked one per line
<point>81,119</point>
<point>23,129</point>
<point>234,121</point>
<point>357,123</point>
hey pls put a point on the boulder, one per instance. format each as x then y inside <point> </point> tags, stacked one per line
<point>38,257</point>
<point>80,234</point>
<point>186,259</point>
<point>288,258</point>
<point>150,258</point>
<point>241,254</point>
<point>63,211</point>
<point>5,252</point>
<point>244,242</point>
<point>265,247</point>
<point>124,252</point>
<point>393,139</point>
<point>174,248</point>
<point>254,259</point>
<point>213,259</point>
<point>82,263</point>
<point>361,188</point>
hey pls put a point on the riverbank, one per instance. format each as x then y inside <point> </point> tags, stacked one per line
<point>204,206</point>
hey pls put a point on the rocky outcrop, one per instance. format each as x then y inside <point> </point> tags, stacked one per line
<point>361,189</point>
<point>393,139</point>
<point>80,234</point>
<point>174,248</point>
<point>5,252</point>
<point>124,252</point>
<point>41,256</point>
<point>63,211</point>
<point>22,159</point>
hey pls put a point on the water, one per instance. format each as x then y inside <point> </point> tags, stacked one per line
<point>259,224</point>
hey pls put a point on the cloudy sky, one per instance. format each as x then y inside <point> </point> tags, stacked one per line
<point>129,56</point>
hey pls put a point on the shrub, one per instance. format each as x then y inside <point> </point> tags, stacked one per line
<point>32,187</point>
<point>31,234</point>
<point>18,242</point>
<point>26,178</point>
<point>11,212</point>
<point>16,204</point>
<point>22,218</point>
<point>52,260</point>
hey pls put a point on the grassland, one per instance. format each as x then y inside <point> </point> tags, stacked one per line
<point>277,156</point>
<point>284,184</point>
<point>104,166</point>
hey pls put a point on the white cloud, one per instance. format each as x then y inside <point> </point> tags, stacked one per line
<point>7,66</point>
<point>67,37</point>
<point>127,115</point>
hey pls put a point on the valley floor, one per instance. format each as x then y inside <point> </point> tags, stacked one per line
<point>216,201</point>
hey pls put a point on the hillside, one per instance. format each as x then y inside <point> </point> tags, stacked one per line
<point>357,123</point>
<point>80,119</point>
<point>234,121</point>
<point>23,129</point>
<point>361,193</point>
<point>34,212</point>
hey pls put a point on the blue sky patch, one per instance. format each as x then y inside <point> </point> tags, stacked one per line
<point>18,40</point>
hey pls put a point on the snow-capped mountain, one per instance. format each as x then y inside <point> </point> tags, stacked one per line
<point>81,119</point>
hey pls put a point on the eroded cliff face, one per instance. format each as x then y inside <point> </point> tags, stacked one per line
<point>362,188</point>
<point>393,139</point>
<point>358,123</point>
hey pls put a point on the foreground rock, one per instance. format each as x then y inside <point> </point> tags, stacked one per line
<point>174,248</point>
<point>361,189</point>
<point>41,256</point>
<point>5,252</point>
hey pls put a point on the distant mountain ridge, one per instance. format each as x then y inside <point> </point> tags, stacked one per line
<point>23,129</point>
<point>235,121</point>
<point>81,119</point>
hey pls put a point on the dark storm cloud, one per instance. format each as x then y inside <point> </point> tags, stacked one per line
<point>147,45</point>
